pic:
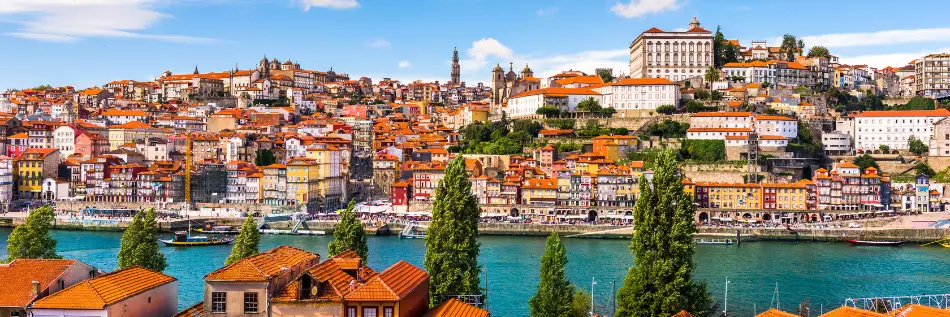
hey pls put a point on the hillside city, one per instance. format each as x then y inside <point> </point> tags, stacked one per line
<point>766,134</point>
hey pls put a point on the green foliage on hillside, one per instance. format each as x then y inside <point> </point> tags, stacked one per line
<point>703,150</point>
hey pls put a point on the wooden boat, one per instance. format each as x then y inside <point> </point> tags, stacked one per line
<point>945,244</point>
<point>715,241</point>
<point>184,239</point>
<point>410,232</point>
<point>218,230</point>
<point>873,243</point>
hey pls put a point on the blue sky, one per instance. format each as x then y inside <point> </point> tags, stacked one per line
<point>91,42</point>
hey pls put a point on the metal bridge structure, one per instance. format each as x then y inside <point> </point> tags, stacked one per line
<point>891,303</point>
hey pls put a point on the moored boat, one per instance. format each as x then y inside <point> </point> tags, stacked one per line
<point>873,243</point>
<point>411,232</point>
<point>184,239</point>
<point>714,241</point>
<point>218,230</point>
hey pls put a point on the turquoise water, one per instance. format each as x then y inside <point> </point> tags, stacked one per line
<point>825,273</point>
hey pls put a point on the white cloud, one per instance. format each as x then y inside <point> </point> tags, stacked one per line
<point>331,4</point>
<point>70,21</point>
<point>481,51</point>
<point>638,8</point>
<point>377,43</point>
<point>547,11</point>
<point>404,64</point>
<point>891,59</point>
<point>887,37</point>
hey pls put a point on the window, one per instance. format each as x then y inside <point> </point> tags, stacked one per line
<point>350,312</point>
<point>369,312</point>
<point>250,302</point>
<point>219,302</point>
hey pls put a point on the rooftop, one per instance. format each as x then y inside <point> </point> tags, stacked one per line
<point>100,292</point>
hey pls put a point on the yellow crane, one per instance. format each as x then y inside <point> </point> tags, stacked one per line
<point>188,159</point>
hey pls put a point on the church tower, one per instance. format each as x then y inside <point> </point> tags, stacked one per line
<point>497,84</point>
<point>456,68</point>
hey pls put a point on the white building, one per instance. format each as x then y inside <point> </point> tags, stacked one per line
<point>894,128</point>
<point>672,55</point>
<point>638,96</point>
<point>933,75</point>
<point>721,120</point>
<point>836,143</point>
<point>6,182</point>
<point>716,133</point>
<point>777,126</point>
<point>64,139</point>
<point>565,99</point>
<point>751,72</point>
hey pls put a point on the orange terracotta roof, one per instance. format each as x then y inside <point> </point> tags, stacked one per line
<point>100,292</point>
<point>456,308</point>
<point>653,30</point>
<point>557,91</point>
<point>589,80</point>
<point>775,313</point>
<point>683,313</point>
<point>718,130</point>
<point>847,165</point>
<point>262,266</point>
<point>847,311</point>
<point>127,113</point>
<point>539,183</point>
<point>18,276</point>
<point>916,310</point>
<point>197,310</point>
<point>905,113</point>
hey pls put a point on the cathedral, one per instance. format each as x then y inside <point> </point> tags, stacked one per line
<point>503,85</point>
<point>266,67</point>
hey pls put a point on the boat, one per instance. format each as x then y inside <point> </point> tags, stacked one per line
<point>411,232</point>
<point>945,244</point>
<point>184,239</point>
<point>873,243</point>
<point>715,241</point>
<point>218,230</point>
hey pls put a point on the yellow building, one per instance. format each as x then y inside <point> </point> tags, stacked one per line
<point>728,195</point>
<point>303,181</point>
<point>33,166</point>
<point>786,196</point>
<point>538,191</point>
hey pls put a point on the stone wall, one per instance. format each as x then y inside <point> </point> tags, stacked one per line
<point>913,235</point>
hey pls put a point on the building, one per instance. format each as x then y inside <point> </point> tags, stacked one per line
<point>526,104</point>
<point>894,128</point>
<point>839,143</point>
<point>673,55</point>
<point>33,166</point>
<point>132,292</point>
<point>456,308</point>
<point>456,68</point>
<point>505,85</point>
<point>638,96</point>
<point>28,280</point>
<point>933,75</point>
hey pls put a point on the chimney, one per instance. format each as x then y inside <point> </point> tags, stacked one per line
<point>36,288</point>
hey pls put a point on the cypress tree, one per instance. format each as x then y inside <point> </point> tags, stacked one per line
<point>555,293</point>
<point>452,238</point>
<point>348,234</point>
<point>247,242</point>
<point>660,281</point>
<point>31,240</point>
<point>139,244</point>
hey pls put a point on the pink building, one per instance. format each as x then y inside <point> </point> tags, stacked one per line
<point>91,144</point>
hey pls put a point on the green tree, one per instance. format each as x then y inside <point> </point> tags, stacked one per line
<point>606,75</point>
<point>660,282</point>
<point>712,74</point>
<point>884,148</point>
<point>580,304</point>
<point>555,292</point>
<point>264,158</point>
<point>563,124</point>
<point>348,234</point>
<point>43,87</point>
<point>31,240</point>
<point>819,51</point>
<point>609,111</point>
<point>666,109</point>
<point>923,168</point>
<point>789,47</point>
<point>865,161</point>
<point>246,243</point>
<point>766,85</point>
<point>719,43</point>
<point>529,127</point>
<point>548,111</point>
<point>452,238</point>
<point>917,146</point>
<point>589,105</point>
<point>139,244</point>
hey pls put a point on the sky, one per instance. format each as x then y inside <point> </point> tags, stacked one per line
<point>91,42</point>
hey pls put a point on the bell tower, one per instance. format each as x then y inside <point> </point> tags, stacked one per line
<point>456,68</point>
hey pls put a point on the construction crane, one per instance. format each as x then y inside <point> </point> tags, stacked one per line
<point>188,159</point>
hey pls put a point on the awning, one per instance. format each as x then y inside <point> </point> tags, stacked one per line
<point>723,219</point>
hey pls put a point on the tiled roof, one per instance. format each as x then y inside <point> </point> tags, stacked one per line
<point>846,311</point>
<point>683,313</point>
<point>916,310</point>
<point>402,277</point>
<point>262,266</point>
<point>105,290</point>
<point>721,114</point>
<point>194,311</point>
<point>905,113</point>
<point>456,308</point>
<point>18,276</point>
<point>557,91</point>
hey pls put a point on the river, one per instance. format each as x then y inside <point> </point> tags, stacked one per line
<point>824,273</point>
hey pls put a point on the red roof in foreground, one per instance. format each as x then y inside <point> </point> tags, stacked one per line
<point>456,308</point>
<point>105,290</point>
<point>18,276</point>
